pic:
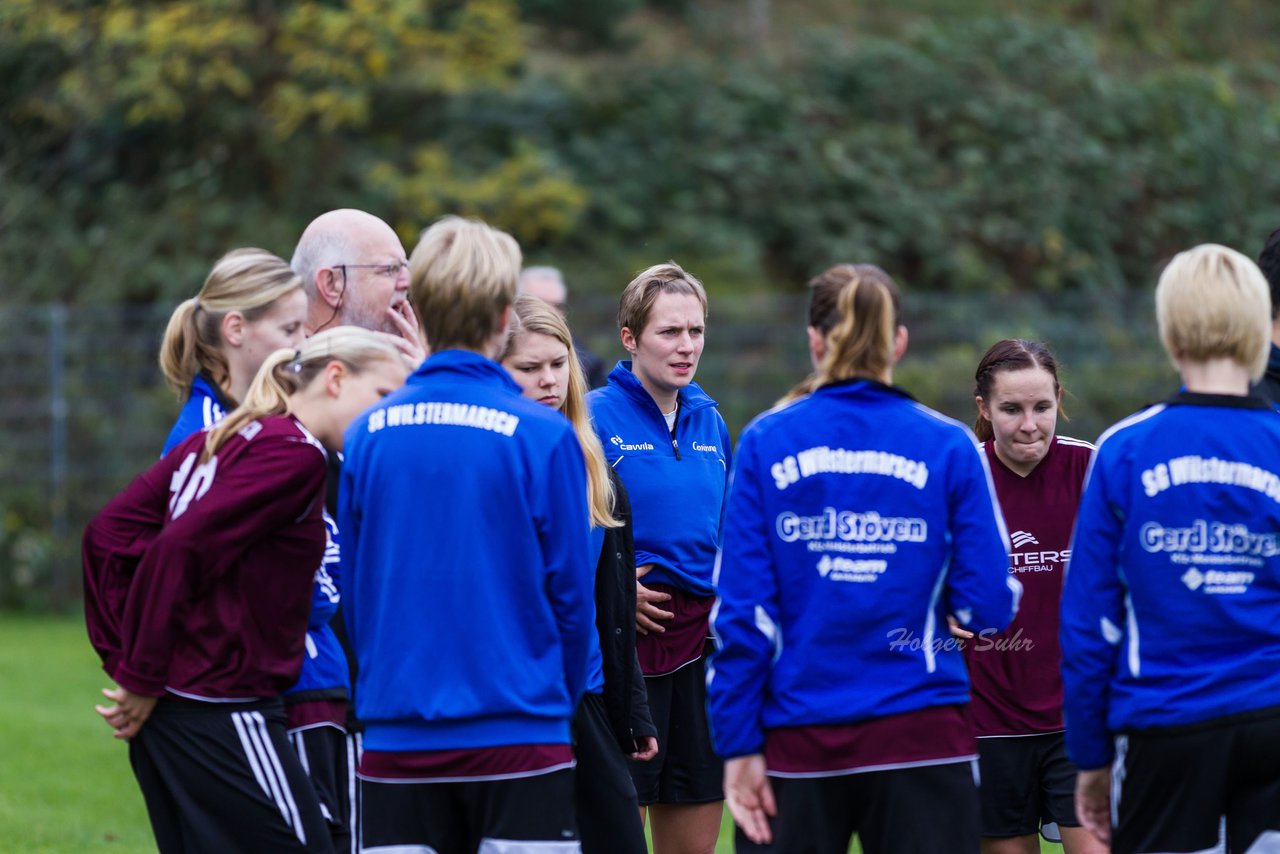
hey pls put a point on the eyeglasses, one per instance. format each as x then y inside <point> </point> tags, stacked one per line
<point>390,271</point>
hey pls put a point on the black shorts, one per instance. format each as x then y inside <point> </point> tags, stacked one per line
<point>930,808</point>
<point>325,755</point>
<point>222,777</point>
<point>686,769</point>
<point>605,797</point>
<point>466,817</point>
<point>1173,790</point>
<point>1028,784</point>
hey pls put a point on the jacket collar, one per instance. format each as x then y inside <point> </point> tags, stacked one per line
<point>690,397</point>
<point>862,387</point>
<point>211,388</point>
<point>1273,362</point>
<point>464,365</point>
<point>1234,401</point>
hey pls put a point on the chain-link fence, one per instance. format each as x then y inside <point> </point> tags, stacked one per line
<point>84,407</point>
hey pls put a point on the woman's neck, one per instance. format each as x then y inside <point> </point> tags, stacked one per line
<point>1216,376</point>
<point>237,386</point>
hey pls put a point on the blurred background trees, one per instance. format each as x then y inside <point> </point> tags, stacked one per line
<point>1021,167</point>
<point>965,145</point>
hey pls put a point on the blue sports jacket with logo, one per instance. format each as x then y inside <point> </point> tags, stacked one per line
<point>468,579</point>
<point>857,520</point>
<point>1171,611</point>
<point>676,484</point>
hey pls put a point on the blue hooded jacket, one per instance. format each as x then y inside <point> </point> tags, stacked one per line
<point>676,484</point>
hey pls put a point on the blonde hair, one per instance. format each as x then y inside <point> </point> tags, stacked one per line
<point>643,291</point>
<point>862,320</point>
<point>245,280</point>
<point>532,315</point>
<point>463,274</point>
<point>286,372</point>
<point>1213,302</point>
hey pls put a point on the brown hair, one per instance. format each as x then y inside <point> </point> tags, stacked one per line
<point>1011,354</point>
<point>533,315</point>
<point>245,280</point>
<point>463,275</point>
<point>643,291</point>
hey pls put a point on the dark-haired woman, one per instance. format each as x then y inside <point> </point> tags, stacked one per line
<point>1028,783</point>
<point>198,581</point>
<point>859,521</point>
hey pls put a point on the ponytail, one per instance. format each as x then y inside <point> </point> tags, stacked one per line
<point>190,345</point>
<point>286,372</point>
<point>245,280</point>
<point>862,340</point>
<point>857,309</point>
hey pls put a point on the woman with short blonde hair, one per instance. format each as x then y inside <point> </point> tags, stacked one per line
<point>1170,614</point>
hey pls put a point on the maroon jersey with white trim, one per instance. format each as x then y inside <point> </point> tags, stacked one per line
<point>1016,674</point>
<point>198,576</point>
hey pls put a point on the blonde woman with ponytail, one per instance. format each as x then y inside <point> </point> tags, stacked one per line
<point>251,304</point>
<point>612,720</point>
<point>198,586</point>
<point>857,522</point>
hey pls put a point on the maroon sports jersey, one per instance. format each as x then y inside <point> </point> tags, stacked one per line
<point>1016,674</point>
<point>198,577</point>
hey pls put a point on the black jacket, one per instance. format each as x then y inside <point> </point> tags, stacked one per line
<point>1269,385</point>
<point>625,700</point>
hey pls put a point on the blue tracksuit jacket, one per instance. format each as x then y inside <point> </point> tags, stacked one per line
<point>1171,609</point>
<point>468,585</point>
<point>857,521</point>
<point>205,407</point>
<point>676,487</point>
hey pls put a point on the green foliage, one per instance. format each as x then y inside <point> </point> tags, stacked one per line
<point>1019,157</point>
<point>142,140</point>
<point>995,154</point>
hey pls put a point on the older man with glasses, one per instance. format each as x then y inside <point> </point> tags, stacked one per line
<point>354,269</point>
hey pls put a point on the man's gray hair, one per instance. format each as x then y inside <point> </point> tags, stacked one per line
<point>320,248</point>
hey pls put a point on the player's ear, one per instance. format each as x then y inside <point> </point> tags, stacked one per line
<point>233,328</point>
<point>335,374</point>
<point>329,286</point>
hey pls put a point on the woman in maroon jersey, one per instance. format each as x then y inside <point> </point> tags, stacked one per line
<point>198,581</point>
<point>1028,784</point>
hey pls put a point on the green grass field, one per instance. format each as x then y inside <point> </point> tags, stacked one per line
<point>65,783</point>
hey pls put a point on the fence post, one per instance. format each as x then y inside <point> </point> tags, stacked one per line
<point>58,446</point>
